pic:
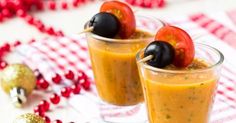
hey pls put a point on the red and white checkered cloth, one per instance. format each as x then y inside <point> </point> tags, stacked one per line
<point>56,55</point>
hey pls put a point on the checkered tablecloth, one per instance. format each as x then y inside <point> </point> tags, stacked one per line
<point>56,55</point>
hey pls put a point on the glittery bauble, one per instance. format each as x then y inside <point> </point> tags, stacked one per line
<point>18,75</point>
<point>29,118</point>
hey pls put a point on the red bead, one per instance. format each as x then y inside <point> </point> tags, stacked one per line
<point>39,109</point>
<point>6,13</point>
<point>50,31</point>
<point>38,74</point>
<point>55,99</point>
<point>17,43</point>
<point>56,79</point>
<point>46,119</point>
<point>70,75</point>
<point>57,121</point>
<point>64,5</point>
<point>139,3</point>
<point>3,4</point>
<point>42,114</point>
<point>3,64</point>
<point>52,5</point>
<point>32,41</point>
<point>30,19</point>
<point>40,5</point>
<point>6,47</point>
<point>75,3</point>
<point>41,27</point>
<point>161,3</point>
<point>21,13</point>
<point>86,85</point>
<point>45,105</point>
<point>1,17</point>
<point>43,84</point>
<point>148,4</point>
<point>131,2</point>
<point>65,92</point>
<point>75,88</point>
<point>82,76</point>
<point>2,52</point>
<point>38,23</point>
<point>60,33</point>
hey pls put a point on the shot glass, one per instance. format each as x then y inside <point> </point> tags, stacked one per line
<point>115,69</point>
<point>181,96</point>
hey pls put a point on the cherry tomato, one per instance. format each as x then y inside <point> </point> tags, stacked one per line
<point>181,41</point>
<point>125,15</point>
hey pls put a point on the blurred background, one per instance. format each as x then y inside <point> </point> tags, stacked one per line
<point>71,21</point>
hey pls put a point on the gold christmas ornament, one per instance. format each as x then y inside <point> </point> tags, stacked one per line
<point>29,118</point>
<point>18,80</point>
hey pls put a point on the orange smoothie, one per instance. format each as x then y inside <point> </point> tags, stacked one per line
<point>180,97</point>
<point>115,70</point>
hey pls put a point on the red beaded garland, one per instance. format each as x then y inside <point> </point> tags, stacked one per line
<point>21,8</point>
<point>44,105</point>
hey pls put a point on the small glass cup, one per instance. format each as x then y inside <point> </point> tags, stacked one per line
<point>116,73</point>
<point>181,96</point>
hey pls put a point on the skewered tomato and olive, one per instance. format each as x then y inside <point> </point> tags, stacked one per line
<point>172,45</point>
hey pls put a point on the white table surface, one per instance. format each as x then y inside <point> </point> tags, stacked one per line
<point>72,22</point>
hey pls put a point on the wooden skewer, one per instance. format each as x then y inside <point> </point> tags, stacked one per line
<point>146,59</point>
<point>89,29</point>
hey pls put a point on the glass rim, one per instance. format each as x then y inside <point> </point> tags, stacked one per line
<point>136,40</point>
<point>217,63</point>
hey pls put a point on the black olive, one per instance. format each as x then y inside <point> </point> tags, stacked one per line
<point>163,54</point>
<point>105,24</point>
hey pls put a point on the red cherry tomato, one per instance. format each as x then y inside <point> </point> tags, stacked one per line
<point>125,15</point>
<point>181,41</point>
